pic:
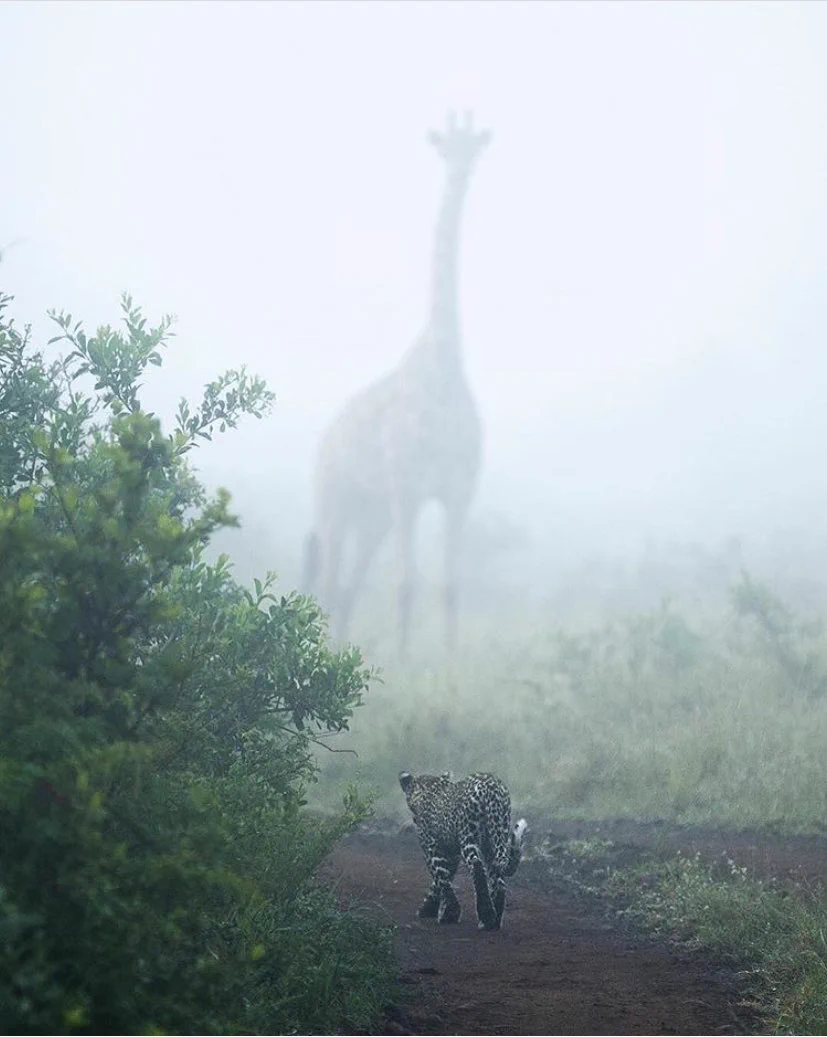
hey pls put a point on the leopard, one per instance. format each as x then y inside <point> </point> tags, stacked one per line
<point>468,820</point>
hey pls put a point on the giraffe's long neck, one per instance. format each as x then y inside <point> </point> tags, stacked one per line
<point>444,318</point>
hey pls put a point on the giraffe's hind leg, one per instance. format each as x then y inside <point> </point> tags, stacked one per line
<point>405,586</point>
<point>369,537</point>
<point>330,549</point>
<point>456,513</point>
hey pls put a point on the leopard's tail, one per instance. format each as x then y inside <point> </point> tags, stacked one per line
<point>515,848</point>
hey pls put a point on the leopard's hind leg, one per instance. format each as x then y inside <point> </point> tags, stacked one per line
<point>497,887</point>
<point>471,843</point>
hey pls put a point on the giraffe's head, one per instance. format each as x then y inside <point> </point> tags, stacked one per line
<point>460,145</point>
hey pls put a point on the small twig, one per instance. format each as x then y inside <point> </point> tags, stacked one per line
<point>330,749</point>
<point>314,739</point>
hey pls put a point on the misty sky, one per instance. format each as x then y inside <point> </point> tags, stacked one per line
<point>645,245</point>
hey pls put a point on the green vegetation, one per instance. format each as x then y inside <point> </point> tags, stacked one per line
<point>156,726</point>
<point>774,936</point>
<point>717,717</point>
<point>714,716</point>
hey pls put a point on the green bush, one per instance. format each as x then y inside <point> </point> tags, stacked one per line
<point>157,722</point>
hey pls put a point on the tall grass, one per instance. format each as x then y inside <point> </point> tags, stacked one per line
<point>704,716</point>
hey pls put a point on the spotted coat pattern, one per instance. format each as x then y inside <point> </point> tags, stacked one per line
<point>468,820</point>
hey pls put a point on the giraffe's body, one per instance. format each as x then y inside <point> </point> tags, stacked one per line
<point>411,437</point>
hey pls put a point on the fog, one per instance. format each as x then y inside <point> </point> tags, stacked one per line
<point>643,260</point>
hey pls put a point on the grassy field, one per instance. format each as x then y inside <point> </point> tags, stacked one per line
<point>710,710</point>
<point>699,715</point>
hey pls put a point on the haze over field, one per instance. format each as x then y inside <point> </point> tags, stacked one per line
<point>630,629</point>
<point>644,253</point>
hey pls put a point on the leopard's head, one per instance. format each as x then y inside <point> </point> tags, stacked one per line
<point>420,792</point>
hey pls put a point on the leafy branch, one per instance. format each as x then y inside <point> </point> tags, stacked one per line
<point>116,361</point>
<point>224,401</point>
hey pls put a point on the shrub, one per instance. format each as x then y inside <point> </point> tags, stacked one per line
<point>156,725</point>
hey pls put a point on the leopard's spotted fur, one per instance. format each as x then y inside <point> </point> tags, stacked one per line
<point>468,820</point>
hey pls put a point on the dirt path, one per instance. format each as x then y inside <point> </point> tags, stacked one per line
<point>555,968</point>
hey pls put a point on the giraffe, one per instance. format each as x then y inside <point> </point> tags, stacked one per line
<point>411,437</point>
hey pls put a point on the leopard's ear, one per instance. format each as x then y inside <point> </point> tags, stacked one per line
<point>448,774</point>
<point>405,780</point>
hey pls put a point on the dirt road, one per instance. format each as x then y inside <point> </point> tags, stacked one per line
<point>557,967</point>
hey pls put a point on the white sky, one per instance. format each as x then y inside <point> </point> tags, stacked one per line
<point>653,207</point>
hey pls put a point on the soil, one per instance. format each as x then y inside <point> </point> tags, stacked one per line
<point>559,965</point>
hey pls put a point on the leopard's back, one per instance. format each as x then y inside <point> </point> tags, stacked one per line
<point>484,802</point>
<point>468,820</point>
<point>447,812</point>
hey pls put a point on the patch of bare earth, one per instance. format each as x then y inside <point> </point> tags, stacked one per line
<point>559,966</point>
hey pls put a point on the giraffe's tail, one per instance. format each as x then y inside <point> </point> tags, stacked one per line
<point>312,551</point>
